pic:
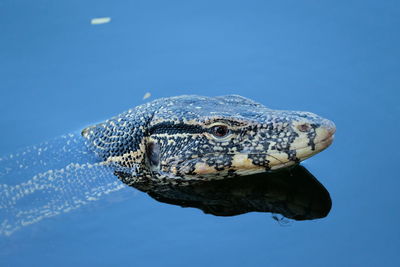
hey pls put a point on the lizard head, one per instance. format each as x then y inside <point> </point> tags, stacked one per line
<point>198,137</point>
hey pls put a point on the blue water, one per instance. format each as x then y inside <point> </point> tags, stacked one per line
<point>340,60</point>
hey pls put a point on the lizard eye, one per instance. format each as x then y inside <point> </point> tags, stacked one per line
<point>220,131</point>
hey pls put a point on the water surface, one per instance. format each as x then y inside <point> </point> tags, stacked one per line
<point>60,73</point>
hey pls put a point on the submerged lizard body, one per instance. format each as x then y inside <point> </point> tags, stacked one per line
<point>193,138</point>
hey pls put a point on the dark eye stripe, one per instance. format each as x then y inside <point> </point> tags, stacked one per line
<point>172,128</point>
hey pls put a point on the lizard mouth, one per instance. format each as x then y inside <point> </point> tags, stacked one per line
<point>278,162</point>
<point>248,162</point>
<point>245,163</point>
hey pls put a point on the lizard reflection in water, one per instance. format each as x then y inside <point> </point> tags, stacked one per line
<point>292,192</point>
<point>171,142</point>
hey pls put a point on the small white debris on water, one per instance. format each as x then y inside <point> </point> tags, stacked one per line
<point>103,20</point>
<point>146,95</point>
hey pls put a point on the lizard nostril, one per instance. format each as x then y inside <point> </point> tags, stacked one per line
<point>305,127</point>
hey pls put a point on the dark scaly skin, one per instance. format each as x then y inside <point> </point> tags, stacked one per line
<point>174,139</point>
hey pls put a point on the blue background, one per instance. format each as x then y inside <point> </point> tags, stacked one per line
<point>339,59</point>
